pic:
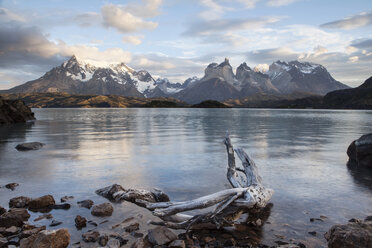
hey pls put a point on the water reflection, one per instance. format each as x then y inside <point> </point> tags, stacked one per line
<point>301,154</point>
<point>362,176</point>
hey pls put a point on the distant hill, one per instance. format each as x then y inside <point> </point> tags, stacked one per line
<point>64,100</point>
<point>356,98</point>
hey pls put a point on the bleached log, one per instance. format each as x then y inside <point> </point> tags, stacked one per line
<point>231,168</point>
<point>246,196</point>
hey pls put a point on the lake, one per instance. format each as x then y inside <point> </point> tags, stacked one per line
<point>301,154</point>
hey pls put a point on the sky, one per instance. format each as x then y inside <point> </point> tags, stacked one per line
<point>177,39</point>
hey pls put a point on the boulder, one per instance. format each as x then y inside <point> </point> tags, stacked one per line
<point>10,219</point>
<point>102,210</point>
<point>27,233</point>
<point>86,203</point>
<point>160,236</point>
<point>80,222</point>
<point>360,151</point>
<point>19,202</point>
<point>11,186</point>
<point>91,236</point>
<point>42,202</point>
<point>2,210</point>
<point>55,238</point>
<point>357,234</point>
<point>13,111</point>
<point>21,212</point>
<point>29,146</point>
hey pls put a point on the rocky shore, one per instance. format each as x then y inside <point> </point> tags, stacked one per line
<point>13,111</point>
<point>18,230</point>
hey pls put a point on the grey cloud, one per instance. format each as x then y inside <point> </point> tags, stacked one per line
<point>362,43</point>
<point>88,19</point>
<point>353,22</point>
<point>269,55</point>
<point>205,28</point>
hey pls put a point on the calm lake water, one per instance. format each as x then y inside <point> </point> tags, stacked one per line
<point>301,154</point>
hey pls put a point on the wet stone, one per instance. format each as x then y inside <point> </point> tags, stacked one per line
<point>86,203</point>
<point>91,236</point>
<point>102,210</point>
<point>11,186</point>
<point>80,222</point>
<point>66,198</point>
<point>55,223</point>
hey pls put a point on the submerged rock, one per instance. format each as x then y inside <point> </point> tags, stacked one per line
<point>102,210</point>
<point>66,198</point>
<point>64,206</point>
<point>86,203</point>
<point>360,152</point>
<point>356,234</point>
<point>56,238</point>
<point>29,146</point>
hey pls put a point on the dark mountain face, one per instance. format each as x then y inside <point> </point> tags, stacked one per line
<point>356,98</point>
<point>210,89</point>
<point>298,76</point>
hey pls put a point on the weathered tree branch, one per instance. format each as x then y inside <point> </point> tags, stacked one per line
<point>246,196</point>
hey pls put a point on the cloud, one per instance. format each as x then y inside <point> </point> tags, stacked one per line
<point>353,22</point>
<point>279,3</point>
<point>213,11</point>
<point>261,68</point>
<point>362,43</point>
<point>130,18</point>
<point>134,39</point>
<point>204,28</point>
<point>88,19</point>
<point>7,15</point>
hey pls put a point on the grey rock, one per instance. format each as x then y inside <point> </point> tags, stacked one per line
<point>86,203</point>
<point>29,146</point>
<point>113,243</point>
<point>160,236</point>
<point>102,210</point>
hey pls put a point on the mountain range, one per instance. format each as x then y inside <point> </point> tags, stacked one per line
<point>218,83</point>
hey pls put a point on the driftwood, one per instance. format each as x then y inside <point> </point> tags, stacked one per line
<point>247,196</point>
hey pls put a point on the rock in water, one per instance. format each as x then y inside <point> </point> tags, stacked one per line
<point>2,210</point>
<point>29,146</point>
<point>80,222</point>
<point>41,202</point>
<point>360,151</point>
<point>102,210</point>
<point>90,236</point>
<point>56,238</point>
<point>19,202</point>
<point>161,236</point>
<point>13,111</point>
<point>86,203</point>
<point>353,234</point>
<point>11,186</point>
<point>10,219</point>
